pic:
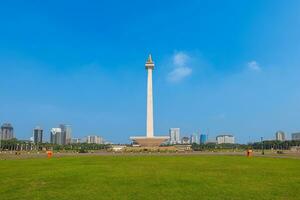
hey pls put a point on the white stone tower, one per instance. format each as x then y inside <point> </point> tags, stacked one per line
<point>149,67</point>
<point>150,140</point>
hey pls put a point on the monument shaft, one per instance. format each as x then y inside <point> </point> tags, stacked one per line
<point>150,140</point>
<point>149,104</point>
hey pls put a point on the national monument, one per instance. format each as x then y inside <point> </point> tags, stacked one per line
<point>149,140</point>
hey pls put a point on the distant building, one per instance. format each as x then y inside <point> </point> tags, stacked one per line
<point>183,147</point>
<point>295,136</point>
<point>194,138</point>
<point>37,135</point>
<point>174,134</point>
<point>75,140</point>
<point>7,132</point>
<point>61,135</point>
<point>93,139</point>
<point>295,148</point>
<point>280,136</point>
<point>203,139</point>
<point>56,136</point>
<point>185,140</point>
<point>118,147</point>
<point>225,139</point>
<point>66,133</point>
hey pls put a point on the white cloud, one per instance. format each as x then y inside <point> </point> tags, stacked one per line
<point>180,59</point>
<point>254,66</point>
<point>179,73</point>
<point>180,70</point>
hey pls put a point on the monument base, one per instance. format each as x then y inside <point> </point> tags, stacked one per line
<point>149,141</point>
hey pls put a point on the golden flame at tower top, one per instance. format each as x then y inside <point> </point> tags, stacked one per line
<point>149,63</point>
<point>149,59</point>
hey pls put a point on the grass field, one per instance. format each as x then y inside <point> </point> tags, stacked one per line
<point>150,177</point>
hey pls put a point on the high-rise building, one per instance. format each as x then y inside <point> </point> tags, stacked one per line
<point>37,135</point>
<point>225,139</point>
<point>56,136</point>
<point>94,139</point>
<point>7,132</point>
<point>280,136</point>
<point>295,136</point>
<point>194,138</point>
<point>203,138</point>
<point>66,133</point>
<point>174,134</point>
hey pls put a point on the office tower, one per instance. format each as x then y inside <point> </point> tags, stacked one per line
<point>280,136</point>
<point>37,135</point>
<point>194,138</point>
<point>203,138</point>
<point>66,133</point>
<point>295,136</point>
<point>56,136</point>
<point>174,134</point>
<point>7,132</point>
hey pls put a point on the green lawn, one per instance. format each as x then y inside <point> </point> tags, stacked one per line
<point>150,177</point>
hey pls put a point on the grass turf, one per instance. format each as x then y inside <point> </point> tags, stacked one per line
<point>150,177</point>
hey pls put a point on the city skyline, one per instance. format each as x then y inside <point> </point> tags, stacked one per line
<point>65,136</point>
<point>230,69</point>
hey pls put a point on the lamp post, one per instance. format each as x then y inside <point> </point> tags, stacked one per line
<point>262,146</point>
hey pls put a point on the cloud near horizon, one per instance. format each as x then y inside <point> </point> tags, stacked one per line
<point>180,70</point>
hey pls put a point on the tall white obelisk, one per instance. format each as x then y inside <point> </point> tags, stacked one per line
<point>149,67</point>
<point>150,140</point>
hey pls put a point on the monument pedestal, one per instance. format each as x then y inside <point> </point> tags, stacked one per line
<point>149,141</point>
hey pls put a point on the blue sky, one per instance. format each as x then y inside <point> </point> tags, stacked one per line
<point>227,66</point>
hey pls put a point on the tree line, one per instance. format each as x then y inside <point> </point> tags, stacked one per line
<point>267,145</point>
<point>20,145</point>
